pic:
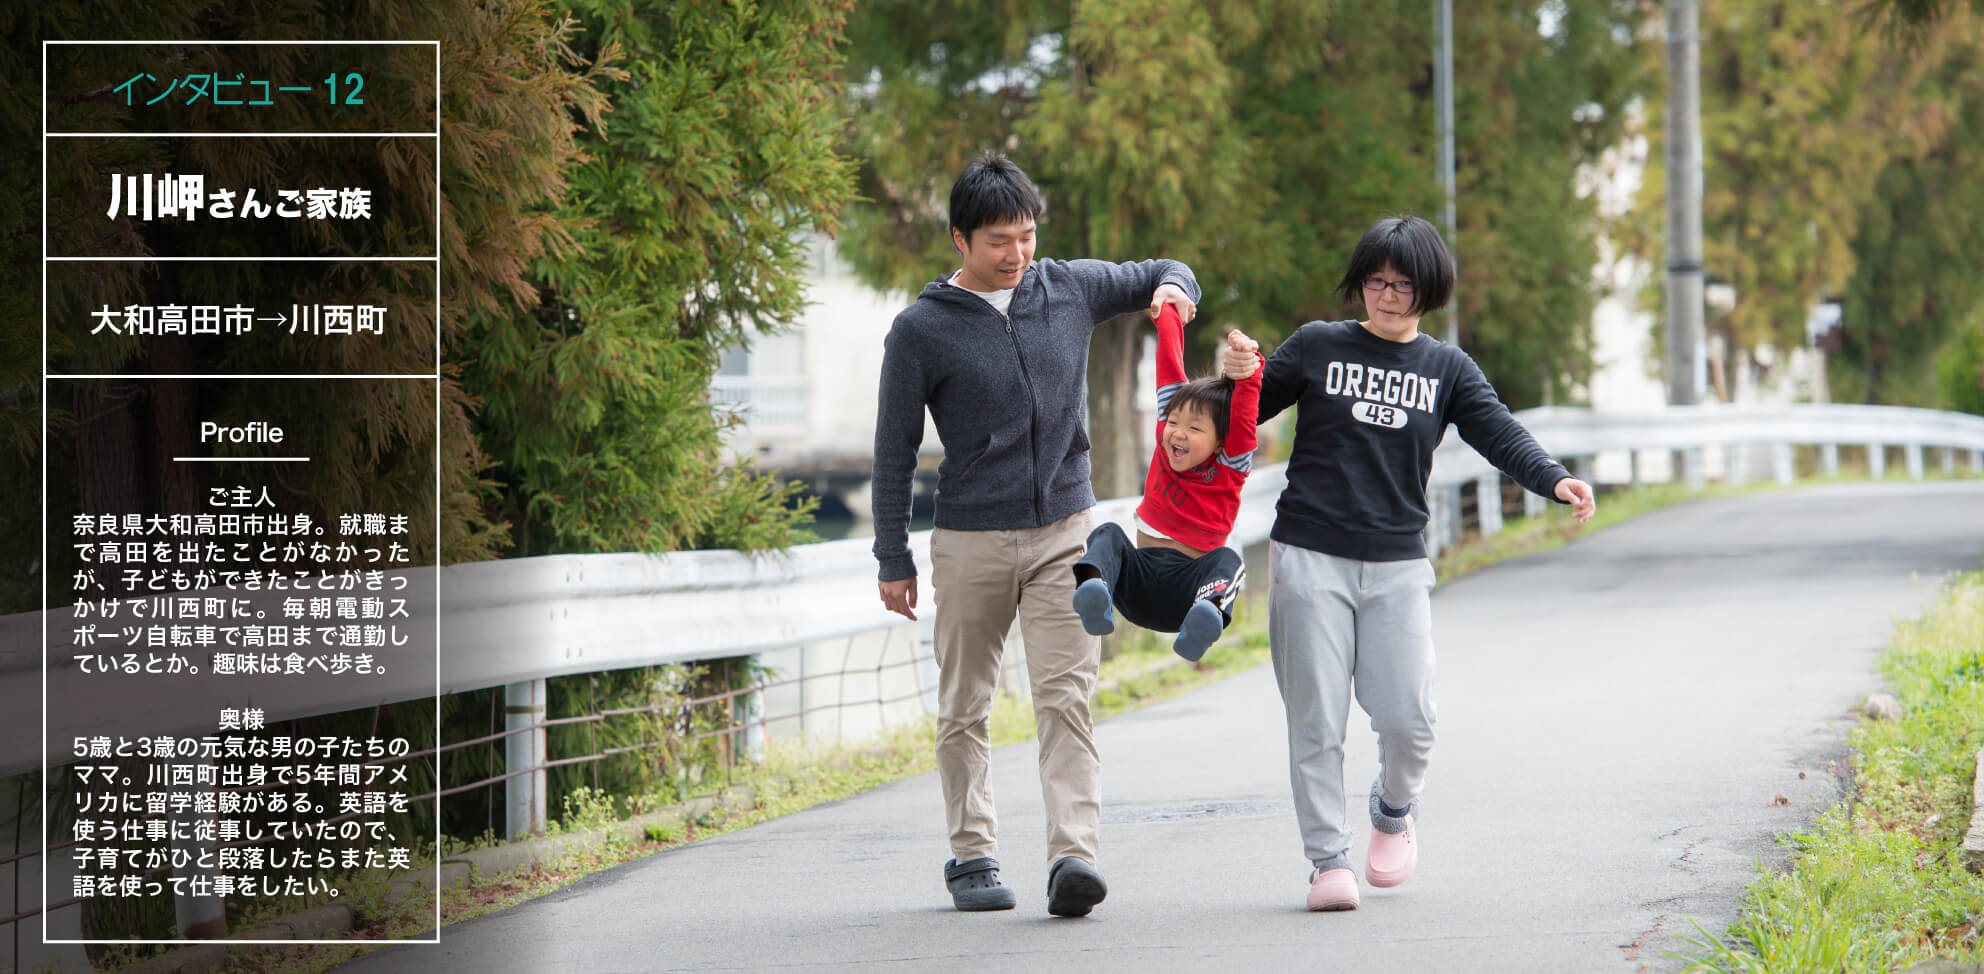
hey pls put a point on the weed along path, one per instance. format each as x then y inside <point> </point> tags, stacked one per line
<point>1625,724</point>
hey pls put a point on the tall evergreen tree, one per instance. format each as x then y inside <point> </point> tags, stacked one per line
<point>1802,111</point>
<point>1919,242</point>
<point>1540,94</point>
<point>1960,367</point>
<point>691,216</point>
<point>1919,15</point>
<point>512,94</point>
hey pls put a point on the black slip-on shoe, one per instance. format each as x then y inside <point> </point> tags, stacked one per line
<point>974,885</point>
<point>1074,887</point>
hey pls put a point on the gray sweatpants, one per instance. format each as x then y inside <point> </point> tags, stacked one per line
<point>1335,624</point>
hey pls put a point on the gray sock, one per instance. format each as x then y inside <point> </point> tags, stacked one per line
<point>1340,862</point>
<point>1386,819</point>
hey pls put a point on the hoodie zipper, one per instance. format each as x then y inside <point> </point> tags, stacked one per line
<point>1033,411</point>
<point>1026,377</point>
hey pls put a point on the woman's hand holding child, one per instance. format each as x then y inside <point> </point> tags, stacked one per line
<point>1241,357</point>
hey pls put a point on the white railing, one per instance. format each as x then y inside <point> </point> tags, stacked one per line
<point>772,406</point>
<point>1580,433</point>
<point>1743,442</point>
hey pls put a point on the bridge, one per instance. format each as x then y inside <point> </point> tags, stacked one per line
<point>1626,725</point>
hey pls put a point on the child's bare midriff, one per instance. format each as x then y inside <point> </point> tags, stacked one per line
<point>1152,541</point>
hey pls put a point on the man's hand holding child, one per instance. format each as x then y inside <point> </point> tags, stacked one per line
<point>1176,297</point>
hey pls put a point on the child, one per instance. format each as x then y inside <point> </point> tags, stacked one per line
<point>1180,576</point>
<point>1350,587</point>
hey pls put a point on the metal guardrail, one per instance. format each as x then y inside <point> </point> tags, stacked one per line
<point>1573,433</point>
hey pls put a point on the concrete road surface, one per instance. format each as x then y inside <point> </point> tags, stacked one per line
<point>1625,725</point>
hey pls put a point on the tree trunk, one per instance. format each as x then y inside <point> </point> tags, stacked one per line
<point>175,423</point>
<point>109,455</point>
<point>1719,354</point>
<point>1115,431</point>
<point>1877,354</point>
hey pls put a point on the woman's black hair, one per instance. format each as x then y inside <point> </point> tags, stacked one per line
<point>992,190</point>
<point>1414,249</point>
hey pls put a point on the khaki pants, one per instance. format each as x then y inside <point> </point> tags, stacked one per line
<point>981,578</point>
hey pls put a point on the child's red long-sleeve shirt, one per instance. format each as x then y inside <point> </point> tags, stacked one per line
<point>1197,507</point>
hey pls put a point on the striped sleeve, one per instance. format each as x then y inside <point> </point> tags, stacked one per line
<point>1238,450</point>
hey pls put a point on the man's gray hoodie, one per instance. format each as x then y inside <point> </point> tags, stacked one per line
<point>1008,392</point>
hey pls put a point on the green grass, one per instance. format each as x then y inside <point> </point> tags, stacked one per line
<point>1876,884</point>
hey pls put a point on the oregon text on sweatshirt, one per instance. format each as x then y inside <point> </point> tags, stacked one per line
<point>1372,412</point>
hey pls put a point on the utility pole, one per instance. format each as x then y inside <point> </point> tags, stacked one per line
<point>1443,84</point>
<point>1684,219</point>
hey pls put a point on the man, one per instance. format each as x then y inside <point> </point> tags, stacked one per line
<point>997,351</point>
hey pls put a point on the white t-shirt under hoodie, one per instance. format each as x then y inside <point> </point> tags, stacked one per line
<point>999,300</point>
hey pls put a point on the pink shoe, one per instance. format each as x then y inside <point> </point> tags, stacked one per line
<point>1334,889</point>
<point>1392,856</point>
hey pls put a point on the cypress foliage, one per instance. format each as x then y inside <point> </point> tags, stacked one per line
<point>588,284</point>
<point>1837,165</point>
<point>1914,308</point>
<point>690,217</point>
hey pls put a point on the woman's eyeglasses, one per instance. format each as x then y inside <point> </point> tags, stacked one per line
<point>1376,284</point>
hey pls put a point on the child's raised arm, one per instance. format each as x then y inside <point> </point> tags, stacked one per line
<point>1245,405</point>
<point>1170,360</point>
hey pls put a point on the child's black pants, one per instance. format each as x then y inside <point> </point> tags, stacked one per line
<point>1154,587</point>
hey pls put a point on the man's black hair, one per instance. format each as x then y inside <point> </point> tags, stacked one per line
<point>1414,249</point>
<point>992,190</point>
<point>1212,395</point>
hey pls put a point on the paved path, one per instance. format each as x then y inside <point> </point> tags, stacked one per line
<point>1617,719</point>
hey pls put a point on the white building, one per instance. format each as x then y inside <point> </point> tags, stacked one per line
<point>807,397</point>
